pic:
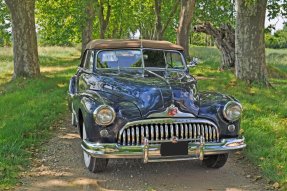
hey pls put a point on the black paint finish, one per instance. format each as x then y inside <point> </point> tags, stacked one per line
<point>136,93</point>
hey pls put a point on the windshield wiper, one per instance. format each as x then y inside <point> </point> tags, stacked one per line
<point>157,75</point>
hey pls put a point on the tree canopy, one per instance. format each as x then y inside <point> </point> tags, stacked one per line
<point>66,23</point>
<point>60,22</point>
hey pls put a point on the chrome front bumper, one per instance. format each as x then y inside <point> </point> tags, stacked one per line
<point>150,150</point>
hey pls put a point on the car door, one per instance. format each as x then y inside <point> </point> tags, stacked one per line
<point>86,71</point>
<point>78,83</point>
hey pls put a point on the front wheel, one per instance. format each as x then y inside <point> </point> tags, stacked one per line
<point>93,164</point>
<point>215,161</point>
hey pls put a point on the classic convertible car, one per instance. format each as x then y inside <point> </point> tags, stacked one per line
<point>136,99</point>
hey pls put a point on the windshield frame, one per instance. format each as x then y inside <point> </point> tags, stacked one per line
<point>143,64</point>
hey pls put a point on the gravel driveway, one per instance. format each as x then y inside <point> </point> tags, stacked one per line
<point>59,166</point>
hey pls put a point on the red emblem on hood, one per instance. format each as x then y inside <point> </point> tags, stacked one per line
<point>172,111</point>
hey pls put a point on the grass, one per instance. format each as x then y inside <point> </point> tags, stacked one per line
<point>28,107</point>
<point>264,121</point>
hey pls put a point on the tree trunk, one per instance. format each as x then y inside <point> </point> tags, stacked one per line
<point>250,63</point>
<point>158,26</point>
<point>26,61</point>
<point>224,40</point>
<point>186,13</point>
<point>87,32</point>
<point>104,19</point>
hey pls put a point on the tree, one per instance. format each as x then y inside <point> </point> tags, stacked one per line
<point>87,31</point>
<point>250,64</point>
<point>218,20</point>
<point>159,27</point>
<point>5,25</point>
<point>104,16</point>
<point>186,13</point>
<point>60,22</point>
<point>224,37</point>
<point>26,61</point>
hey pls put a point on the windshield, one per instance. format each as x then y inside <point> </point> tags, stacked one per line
<point>133,59</point>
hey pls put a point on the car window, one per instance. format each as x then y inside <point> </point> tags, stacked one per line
<point>89,60</point>
<point>133,58</point>
<point>174,60</point>
<point>154,58</point>
<point>119,59</point>
<point>162,59</point>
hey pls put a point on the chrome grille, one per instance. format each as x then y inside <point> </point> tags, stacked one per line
<point>133,134</point>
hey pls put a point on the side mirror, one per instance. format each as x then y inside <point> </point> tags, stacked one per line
<point>72,86</point>
<point>193,62</point>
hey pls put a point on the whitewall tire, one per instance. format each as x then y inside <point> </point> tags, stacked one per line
<point>93,164</point>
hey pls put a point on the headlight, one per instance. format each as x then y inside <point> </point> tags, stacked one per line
<point>104,115</point>
<point>232,111</point>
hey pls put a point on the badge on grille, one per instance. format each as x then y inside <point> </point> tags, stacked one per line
<point>172,110</point>
<point>174,139</point>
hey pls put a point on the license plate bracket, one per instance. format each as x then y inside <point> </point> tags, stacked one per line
<point>173,149</point>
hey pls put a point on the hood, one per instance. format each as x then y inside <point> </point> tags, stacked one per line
<point>150,92</point>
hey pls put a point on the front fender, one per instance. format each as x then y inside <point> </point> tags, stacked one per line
<point>211,107</point>
<point>125,111</point>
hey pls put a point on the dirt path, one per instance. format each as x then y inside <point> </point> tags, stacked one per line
<point>59,166</point>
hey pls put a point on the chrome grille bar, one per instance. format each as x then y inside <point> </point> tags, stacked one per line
<point>129,136</point>
<point>176,130</point>
<point>156,132</point>
<point>134,133</point>
<point>137,135</point>
<point>166,131</point>
<point>161,132</point>
<point>133,136</point>
<point>151,132</point>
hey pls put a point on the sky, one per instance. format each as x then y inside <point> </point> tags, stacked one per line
<point>278,22</point>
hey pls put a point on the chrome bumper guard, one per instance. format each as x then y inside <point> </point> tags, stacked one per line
<point>150,150</point>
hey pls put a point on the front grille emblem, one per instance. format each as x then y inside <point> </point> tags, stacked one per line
<point>174,139</point>
<point>172,111</point>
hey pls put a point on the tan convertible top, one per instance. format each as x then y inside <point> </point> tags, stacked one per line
<point>113,44</point>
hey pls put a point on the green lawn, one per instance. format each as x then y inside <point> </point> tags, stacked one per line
<point>264,119</point>
<point>29,107</point>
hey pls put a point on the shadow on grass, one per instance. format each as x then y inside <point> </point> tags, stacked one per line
<point>28,108</point>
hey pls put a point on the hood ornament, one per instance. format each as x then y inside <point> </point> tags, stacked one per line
<point>171,111</point>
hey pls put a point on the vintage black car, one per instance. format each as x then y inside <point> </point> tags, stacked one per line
<point>136,99</point>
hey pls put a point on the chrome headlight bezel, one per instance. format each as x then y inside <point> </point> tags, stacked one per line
<point>100,109</point>
<point>229,105</point>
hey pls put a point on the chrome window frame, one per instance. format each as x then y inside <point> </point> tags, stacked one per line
<point>143,66</point>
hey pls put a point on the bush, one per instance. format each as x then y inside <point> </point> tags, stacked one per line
<point>278,40</point>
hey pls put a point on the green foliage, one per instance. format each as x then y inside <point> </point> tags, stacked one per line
<point>5,25</point>
<point>127,16</point>
<point>201,39</point>
<point>28,107</point>
<point>59,22</point>
<point>264,118</point>
<point>277,8</point>
<point>278,40</point>
<point>215,12</point>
